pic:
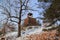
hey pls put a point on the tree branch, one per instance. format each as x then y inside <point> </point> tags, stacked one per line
<point>13,21</point>
<point>5,9</point>
<point>13,17</point>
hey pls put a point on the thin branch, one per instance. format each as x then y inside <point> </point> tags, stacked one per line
<point>54,21</point>
<point>20,2</point>
<point>26,4</point>
<point>5,9</point>
<point>39,18</point>
<point>3,19</point>
<point>13,21</point>
<point>10,15</point>
<point>23,3</point>
<point>14,17</point>
<point>3,13</point>
<point>30,9</point>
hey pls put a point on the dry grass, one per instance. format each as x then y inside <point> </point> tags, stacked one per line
<point>47,35</point>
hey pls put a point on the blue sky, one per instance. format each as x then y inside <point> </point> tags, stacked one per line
<point>32,5</point>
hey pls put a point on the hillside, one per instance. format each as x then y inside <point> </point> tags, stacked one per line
<point>35,34</point>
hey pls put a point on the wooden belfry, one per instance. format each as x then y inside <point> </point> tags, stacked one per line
<point>30,21</point>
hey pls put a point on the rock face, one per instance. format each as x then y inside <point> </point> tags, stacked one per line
<point>47,35</point>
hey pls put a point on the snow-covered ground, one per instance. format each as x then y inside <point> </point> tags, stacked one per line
<point>34,31</point>
<point>28,32</point>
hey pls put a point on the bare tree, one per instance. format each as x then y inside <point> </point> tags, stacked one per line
<point>19,8</point>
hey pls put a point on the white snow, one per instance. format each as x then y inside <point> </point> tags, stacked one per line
<point>11,34</point>
<point>25,33</point>
<point>34,31</point>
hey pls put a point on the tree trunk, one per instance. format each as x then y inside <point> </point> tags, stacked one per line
<point>19,23</point>
<point>4,31</point>
<point>19,29</point>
